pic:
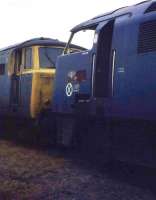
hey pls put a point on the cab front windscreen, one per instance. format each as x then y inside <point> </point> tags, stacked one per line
<point>48,56</point>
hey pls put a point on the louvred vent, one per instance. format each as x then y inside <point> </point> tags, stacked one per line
<point>152,8</point>
<point>147,37</point>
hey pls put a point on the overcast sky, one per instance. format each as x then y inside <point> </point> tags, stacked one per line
<point>25,19</point>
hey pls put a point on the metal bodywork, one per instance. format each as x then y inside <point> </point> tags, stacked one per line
<point>127,109</point>
<point>25,92</point>
<point>125,86</point>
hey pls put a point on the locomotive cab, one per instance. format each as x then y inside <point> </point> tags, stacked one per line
<point>72,85</point>
<point>28,76</point>
<point>106,96</point>
<point>74,67</point>
<point>32,79</point>
<point>83,78</point>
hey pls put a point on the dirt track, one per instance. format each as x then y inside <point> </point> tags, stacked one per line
<point>34,174</point>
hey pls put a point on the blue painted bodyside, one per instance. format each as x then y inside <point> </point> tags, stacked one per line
<point>134,89</point>
<point>5,86</point>
<point>25,95</point>
<point>23,106</point>
<point>67,64</point>
<point>123,123</point>
<point>134,92</point>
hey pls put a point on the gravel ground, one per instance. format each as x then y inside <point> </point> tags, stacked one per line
<point>35,174</point>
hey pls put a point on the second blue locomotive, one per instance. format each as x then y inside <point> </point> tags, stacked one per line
<point>105,96</point>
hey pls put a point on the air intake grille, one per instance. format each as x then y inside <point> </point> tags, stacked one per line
<point>147,37</point>
<point>152,8</point>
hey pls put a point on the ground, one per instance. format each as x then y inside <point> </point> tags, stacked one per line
<point>48,174</point>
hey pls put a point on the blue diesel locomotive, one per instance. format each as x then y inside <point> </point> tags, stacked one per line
<point>104,97</point>
<point>27,72</point>
<point>26,76</point>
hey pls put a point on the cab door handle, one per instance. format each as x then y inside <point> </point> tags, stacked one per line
<point>113,69</point>
<point>93,73</point>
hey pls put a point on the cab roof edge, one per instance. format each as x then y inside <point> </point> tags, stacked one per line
<point>116,13</point>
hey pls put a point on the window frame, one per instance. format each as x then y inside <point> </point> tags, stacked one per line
<point>5,54</point>
<point>24,56</point>
<point>46,46</point>
<point>67,48</point>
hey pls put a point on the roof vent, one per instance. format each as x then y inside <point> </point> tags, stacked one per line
<point>151,8</point>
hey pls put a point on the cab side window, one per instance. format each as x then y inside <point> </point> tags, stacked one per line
<point>82,39</point>
<point>28,58</point>
<point>3,61</point>
<point>2,68</point>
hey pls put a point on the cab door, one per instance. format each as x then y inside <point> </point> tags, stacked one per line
<point>15,80</point>
<point>103,70</point>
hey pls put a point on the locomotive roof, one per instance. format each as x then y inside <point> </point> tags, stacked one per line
<point>137,9</point>
<point>39,41</point>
